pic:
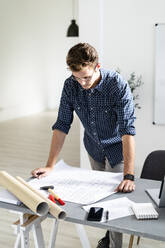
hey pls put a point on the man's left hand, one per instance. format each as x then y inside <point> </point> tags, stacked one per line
<point>126,186</point>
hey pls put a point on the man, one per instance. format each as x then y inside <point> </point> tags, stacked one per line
<point>103,102</point>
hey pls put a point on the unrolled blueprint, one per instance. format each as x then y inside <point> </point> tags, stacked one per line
<point>79,185</point>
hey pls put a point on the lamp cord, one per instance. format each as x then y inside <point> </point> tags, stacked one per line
<point>73,3</point>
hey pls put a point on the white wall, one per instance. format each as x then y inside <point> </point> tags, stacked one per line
<point>34,46</point>
<point>60,16</point>
<point>128,43</point>
<point>32,54</point>
<point>91,31</point>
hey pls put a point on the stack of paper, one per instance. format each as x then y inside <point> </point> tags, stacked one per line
<point>6,196</point>
<point>117,208</point>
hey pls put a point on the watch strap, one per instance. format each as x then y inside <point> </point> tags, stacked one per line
<point>129,177</point>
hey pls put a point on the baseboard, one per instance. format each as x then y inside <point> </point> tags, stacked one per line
<point>21,110</point>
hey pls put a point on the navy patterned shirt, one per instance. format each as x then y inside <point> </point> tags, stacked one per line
<point>106,112</point>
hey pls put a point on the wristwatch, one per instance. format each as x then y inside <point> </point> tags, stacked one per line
<point>129,177</point>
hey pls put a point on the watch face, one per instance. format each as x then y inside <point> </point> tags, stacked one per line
<point>129,177</point>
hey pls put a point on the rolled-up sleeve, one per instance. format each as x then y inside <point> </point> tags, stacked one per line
<point>65,113</point>
<point>124,108</point>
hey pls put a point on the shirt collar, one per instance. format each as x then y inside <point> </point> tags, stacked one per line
<point>100,84</point>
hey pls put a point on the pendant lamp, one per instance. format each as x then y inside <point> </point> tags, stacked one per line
<point>73,30</point>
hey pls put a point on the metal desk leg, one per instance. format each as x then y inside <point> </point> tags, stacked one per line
<point>38,236</point>
<point>83,236</point>
<point>18,241</point>
<point>24,239</point>
<point>53,233</point>
<point>24,225</point>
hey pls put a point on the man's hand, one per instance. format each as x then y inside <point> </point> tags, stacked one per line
<point>126,186</point>
<point>41,172</point>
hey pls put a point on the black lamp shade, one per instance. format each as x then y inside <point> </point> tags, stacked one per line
<point>73,29</point>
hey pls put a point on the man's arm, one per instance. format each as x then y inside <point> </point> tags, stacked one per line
<point>56,146</point>
<point>128,153</point>
<point>129,160</point>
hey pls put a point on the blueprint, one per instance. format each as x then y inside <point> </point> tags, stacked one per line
<point>79,185</point>
<point>72,184</point>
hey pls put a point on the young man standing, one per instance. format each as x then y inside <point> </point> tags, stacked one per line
<point>103,101</point>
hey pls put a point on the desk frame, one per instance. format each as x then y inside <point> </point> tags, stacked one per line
<point>153,229</point>
<point>29,222</point>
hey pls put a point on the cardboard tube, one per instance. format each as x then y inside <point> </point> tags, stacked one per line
<point>24,194</point>
<point>54,209</point>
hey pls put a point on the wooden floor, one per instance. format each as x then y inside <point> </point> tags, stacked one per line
<point>24,145</point>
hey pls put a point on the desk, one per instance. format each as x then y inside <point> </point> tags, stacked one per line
<point>153,229</point>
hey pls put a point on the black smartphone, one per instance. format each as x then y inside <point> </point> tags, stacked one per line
<point>95,214</point>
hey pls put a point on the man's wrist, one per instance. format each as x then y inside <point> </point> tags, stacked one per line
<point>49,166</point>
<point>129,177</point>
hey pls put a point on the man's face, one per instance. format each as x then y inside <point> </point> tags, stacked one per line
<point>87,76</point>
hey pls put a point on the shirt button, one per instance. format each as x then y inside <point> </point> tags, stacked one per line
<point>106,111</point>
<point>89,94</point>
<point>78,108</point>
<point>94,133</point>
<point>92,122</point>
<point>91,108</point>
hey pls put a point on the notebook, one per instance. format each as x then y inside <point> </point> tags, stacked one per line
<point>144,211</point>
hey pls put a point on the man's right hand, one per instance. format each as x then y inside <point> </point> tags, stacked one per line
<point>41,172</point>
<point>56,145</point>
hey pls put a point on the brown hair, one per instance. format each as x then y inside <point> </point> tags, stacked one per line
<point>81,55</point>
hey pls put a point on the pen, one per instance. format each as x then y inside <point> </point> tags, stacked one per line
<point>56,197</point>
<point>107,215</point>
<point>161,188</point>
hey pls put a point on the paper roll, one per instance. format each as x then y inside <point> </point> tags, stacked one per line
<point>24,194</point>
<point>54,209</point>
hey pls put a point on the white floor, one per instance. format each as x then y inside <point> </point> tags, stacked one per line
<point>24,145</point>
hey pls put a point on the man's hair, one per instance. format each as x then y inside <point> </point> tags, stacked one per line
<point>81,55</point>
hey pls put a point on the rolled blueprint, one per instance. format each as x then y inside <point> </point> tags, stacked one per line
<point>24,194</point>
<point>54,209</point>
